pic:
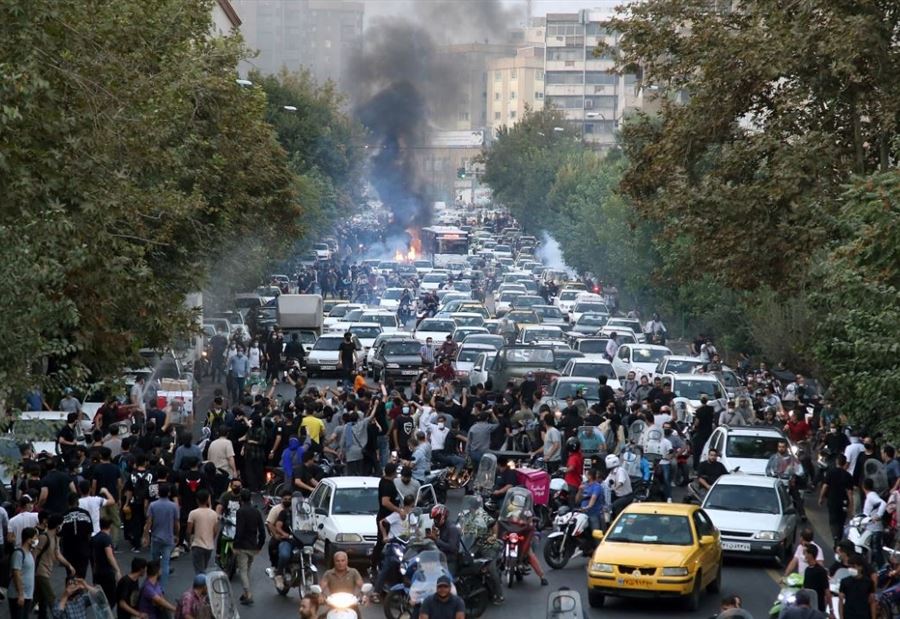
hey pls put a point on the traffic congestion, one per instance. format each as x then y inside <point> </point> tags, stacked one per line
<point>447,425</point>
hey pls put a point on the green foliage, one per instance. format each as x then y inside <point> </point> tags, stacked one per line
<point>858,340</point>
<point>521,165</point>
<point>765,111</point>
<point>130,161</point>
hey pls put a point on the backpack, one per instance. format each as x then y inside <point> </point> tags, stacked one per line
<point>140,483</point>
<point>653,442</point>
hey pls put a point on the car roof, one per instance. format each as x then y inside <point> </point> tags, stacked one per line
<point>363,324</point>
<point>648,346</point>
<point>754,431</point>
<point>740,479</point>
<point>591,360</point>
<point>682,358</point>
<point>476,346</point>
<point>584,380</point>
<point>664,509</point>
<point>710,378</point>
<point>541,328</point>
<point>353,482</point>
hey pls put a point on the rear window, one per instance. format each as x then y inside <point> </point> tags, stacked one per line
<point>598,308</point>
<point>529,356</point>
<point>437,325</point>
<point>365,332</point>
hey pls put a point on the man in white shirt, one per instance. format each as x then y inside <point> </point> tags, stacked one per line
<point>874,507</point>
<point>93,504</point>
<point>24,519</point>
<point>612,346</point>
<point>437,434</point>
<point>221,454</point>
<point>851,452</point>
<point>619,484</point>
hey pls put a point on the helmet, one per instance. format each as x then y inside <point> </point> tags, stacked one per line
<point>572,444</point>
<point>611,461</point>
<point>439,514</point>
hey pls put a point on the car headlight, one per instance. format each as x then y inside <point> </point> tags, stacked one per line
<point>393,366</point>
<point>767,535</point>
<point>348,538</point>
<point>602,567</point>
<point>675,571</point>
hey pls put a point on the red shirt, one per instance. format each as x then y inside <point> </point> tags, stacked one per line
<point>574,466</point>
<point>798,431</point>
<point>445,372</point>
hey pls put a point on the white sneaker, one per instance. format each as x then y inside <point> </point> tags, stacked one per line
<point>270,572</point>
<point>279,582</point>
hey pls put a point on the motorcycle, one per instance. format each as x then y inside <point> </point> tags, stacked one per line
<point>343,605</point>
<point>483,483</point>
<point>225,557</point>
<point>571,532</point>
<point>472,583</point>
<point>515,520</point>
<point>300,572</point>
<point>420,580</point>
<point>460,480</point>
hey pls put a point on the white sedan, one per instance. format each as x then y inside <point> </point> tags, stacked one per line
<point>639,358</point>
<point>435,328</point>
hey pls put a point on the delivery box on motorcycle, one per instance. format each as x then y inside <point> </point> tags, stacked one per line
<point>564,604</point>
<point>537,482</point>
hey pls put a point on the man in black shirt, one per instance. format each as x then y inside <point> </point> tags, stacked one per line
<point>249,538</point>
<point>387,504</point>
<point>347,354</point>
<point>605,392</point>
<point>704,418</point>
<point>506,478</point>
<point>816,576</point>
<point>837,489</point>
<point>56,486</point>
<point>711,470</point>
<point>104,567</point>
<point>857,592</point>
<point>128,590</point>
<point>307,476</point>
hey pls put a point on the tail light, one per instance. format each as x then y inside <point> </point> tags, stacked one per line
<point>269,476</point>
<point>513,538</point>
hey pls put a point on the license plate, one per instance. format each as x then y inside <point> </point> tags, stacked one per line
<point>635,582</point>
<point>736,546</point>
<point>410,372</point>
<point>328,367</point>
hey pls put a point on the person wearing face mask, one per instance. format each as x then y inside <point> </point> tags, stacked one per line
<point>437,434</point>
<point>21,582</point>
<point>402,431</point>
<point>857,591</point>
<point>254,354</point>
<point>239,369</point>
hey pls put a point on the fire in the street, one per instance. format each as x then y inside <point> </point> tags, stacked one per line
<point>409,256</point>
<point>415,247</point>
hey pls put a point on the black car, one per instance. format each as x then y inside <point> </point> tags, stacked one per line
<point>397,359</point>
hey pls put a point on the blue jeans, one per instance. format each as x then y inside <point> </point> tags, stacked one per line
<point>162,550</point>
<point>284,555</point>
<point>384,451</point>
<point>388,565</point>
<point>448,459</point>
<point>666,470</point>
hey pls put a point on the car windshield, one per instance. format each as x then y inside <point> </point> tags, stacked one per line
<point>566,389</point>
<point>536,335</point>
<point>385,320</point>
<point>328,343</point>
<point>548,312</point>
<point>593,370</point>
<point>509,297</point>
<point>752,446</point>
<point>591,320</point>
<point>592,347</point>
<point>648,355</point>
<point>405,347</point>
<point>437,325</point>
<point>652,529</point>
<point>365,332</point>
<point>353,315</point>
<point>527,301</point>
<point>387,265</point>
<point>681,366</point>
<point>469,321</point>
<point>339,311</point>
<point>468,355</point>
<point>434,278</point>
<point>535,356</point>
<point>392,294</point>
<point>750,499</point>
<point>355,502</point>
<point>693,389</point>
<point>503,248</point>
<point>568,295</point>
<point>628,324</point>
<point>462,286</point>
<point>598,308</point>
<point>496,341</point>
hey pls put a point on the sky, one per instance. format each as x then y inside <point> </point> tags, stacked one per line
<point>540,8</point>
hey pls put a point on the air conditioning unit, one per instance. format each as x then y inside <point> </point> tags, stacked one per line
<point>588,104</point>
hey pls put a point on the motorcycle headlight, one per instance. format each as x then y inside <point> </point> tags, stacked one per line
<point>348,538</point>
<point>767,535</point>
<point>675,571</point>
<point>795,450</point>
<point>393,366</point>
<point>307,550</point>
<point>605,568</point>
<point>403,569</point>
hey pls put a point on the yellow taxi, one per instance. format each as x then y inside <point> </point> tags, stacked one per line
<point>656,550</point>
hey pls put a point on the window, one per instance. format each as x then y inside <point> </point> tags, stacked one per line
<point>496,115</point>
<point>704,524</point>
<point>538,95</point>
<point>601,102</point>
<point>512,115</point>
<point>498,75</point>
<point>601,77</point>
<point>512,95</point>
<point>565,53</point>
<point>539,75</point>
<point>564,77</point>
<point>568,103</point>
<point>512,74</point>
<point>464,116</point>
<point>496,96</point>
<point>630,79</point>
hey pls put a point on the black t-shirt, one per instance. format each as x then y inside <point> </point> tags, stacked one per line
<point>816,578</point>
<point>57,485</point>
<point>838,481</point>
<point>347,352</point>
<point>711,471</point>
<point>606,394</point>
<point>308,475</point>
<point>856,590</point>
<point>189,484</point>
<point>128,590</point>
<point>386,488</point>
<point>75,532</point>
<point>704,416</point>
<point>107,475</point>
<point>506,478</point>
<point>436,608</point>
<point>405,428</point>
<point>99,561</point>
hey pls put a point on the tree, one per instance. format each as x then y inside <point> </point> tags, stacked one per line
<point>130,161</point>
<point>522,163</point>
<point>858,340</point>
<point>766,110</point>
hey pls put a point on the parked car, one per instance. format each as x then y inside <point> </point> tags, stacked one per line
<point>396,358</point>
<point>324,355</point>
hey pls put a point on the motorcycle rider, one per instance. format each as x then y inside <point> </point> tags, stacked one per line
<point>446,536</point>
<point>284,534</point>
<point>592,500</point>
<point>619,484</point>
<point>478,527</point>
<point>525,520</point>
<point>708,472</point>
<point>784,465</point>
<point>396,525</point>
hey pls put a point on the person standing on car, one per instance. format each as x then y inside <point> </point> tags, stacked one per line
<point>347,355</point>
<point>704,419</point>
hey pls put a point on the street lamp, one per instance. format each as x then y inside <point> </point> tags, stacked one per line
<point>559,129</point>
<point>244,83</point>
<point>289,108</point>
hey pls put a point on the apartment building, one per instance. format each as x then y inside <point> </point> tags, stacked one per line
<point>514,84</point>
<point>320,35</point>
<point>583,85</point>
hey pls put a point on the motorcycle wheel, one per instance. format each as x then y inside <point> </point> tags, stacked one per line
<point>396,605</point>
<point>510,572</point>
<point>228,564</point>
<point>477,605</point>
<point>556,555</point>
<point>543,516</point>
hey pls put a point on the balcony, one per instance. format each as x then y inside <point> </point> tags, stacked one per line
<point>563,90</point>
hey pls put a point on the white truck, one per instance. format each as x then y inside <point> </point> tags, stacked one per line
<point>300,311</point>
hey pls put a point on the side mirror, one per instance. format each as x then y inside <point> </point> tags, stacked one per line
<point>706,540</point>
<point>597,535</point>
<point>321,511</point>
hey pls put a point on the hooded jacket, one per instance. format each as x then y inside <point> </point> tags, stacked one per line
<point>291,456</point>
